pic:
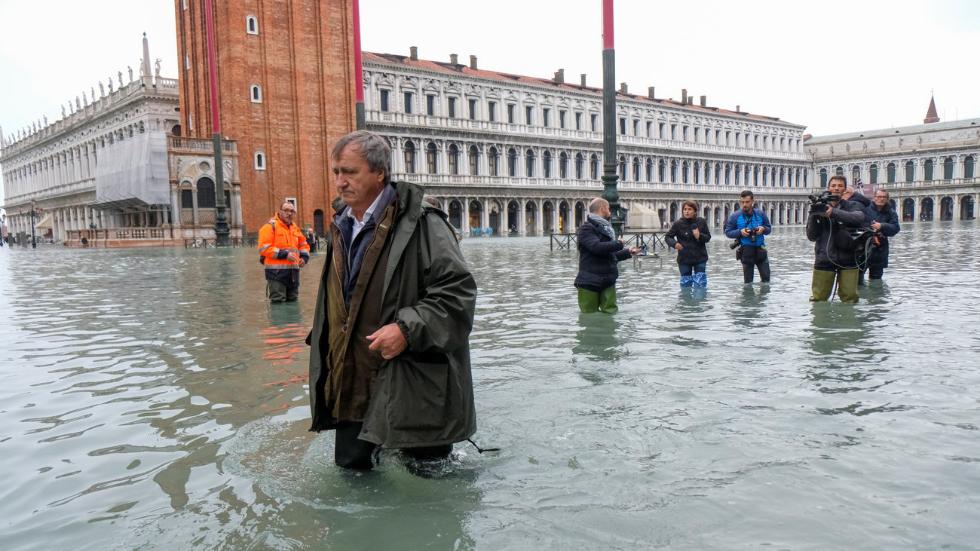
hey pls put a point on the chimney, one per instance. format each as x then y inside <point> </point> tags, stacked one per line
<point>622,88</point>
<point>650,92</point>
<point>684,95</point>
<point>583,80</point>
<point>473,62</point>
<point>454,59</point>
<point>690,100</point>
<point>704,101</point>
<point>414,55</point>
<point>738,108</point>
<point>560,76</point>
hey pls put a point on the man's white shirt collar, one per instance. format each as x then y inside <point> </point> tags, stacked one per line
<point>359,224</point>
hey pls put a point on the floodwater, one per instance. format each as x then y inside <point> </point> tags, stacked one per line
<point>153,400</point>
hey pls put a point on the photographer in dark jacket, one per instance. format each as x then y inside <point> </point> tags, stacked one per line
<point>688,235</point>
<point>884,222</point>
<point>599,253</point>
<point>829,227</point>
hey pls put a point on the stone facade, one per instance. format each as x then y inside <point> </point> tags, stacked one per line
<point>930,169</point>
<point>286,95</point>
<point>100,176</point>
<point>523,155</point>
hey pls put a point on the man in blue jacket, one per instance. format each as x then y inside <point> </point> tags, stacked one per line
<point>750,226</point>
<point>599,252</point>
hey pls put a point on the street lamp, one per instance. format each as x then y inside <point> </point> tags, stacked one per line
<point>34,213</point>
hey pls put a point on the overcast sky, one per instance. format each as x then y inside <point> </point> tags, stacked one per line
<point>834,66</point>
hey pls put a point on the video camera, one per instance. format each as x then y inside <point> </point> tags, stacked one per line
<point>819,203</point>
<point>738,241</point>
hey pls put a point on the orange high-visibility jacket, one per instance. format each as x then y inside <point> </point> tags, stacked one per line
<point>276,239</point>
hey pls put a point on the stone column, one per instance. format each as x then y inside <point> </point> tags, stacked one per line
<point>466,217</point>
<point>175,207</point>
<point>521,222</point>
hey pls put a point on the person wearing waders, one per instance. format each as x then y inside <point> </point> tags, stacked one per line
<point>835,262</point>
<point>599,252</point>
<point>689,236</point>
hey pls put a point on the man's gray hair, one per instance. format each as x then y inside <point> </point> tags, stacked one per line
<point>596,204</point>
<point>373,149</point>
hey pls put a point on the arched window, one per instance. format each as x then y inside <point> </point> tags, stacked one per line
<point>409,157</point>
<point>251,24</point>
<point>529,163</point>
<point>909,171</point>
<point>256,93</point>
<point>890,173</point>
<point>546,164</point>
<point>259,160</point>
<point>662,177</point>
<point>697,172</point>
<point>622,168</point>
<point>186,199</point>
<point>649,169</point>
<point>755,175</point>
<point>673,172</point>
<point>453,158</point>
<point>563,165</point>
<point>717,174</point>
<point>855,175</point>
<point>431,156</point>
<point>738,175</point>
<point>873,173</point>
<point>493,161</point>
<point>839,171</point>
<point>579,166</point>
<point>728,174</point>
<point>948,168</point>
<point>594,166</point>
<point>474,158</point>
<point>205,193</point>
<point>969,166</point>
<point>636,169</point>
<point>929,166</point>
<point>511,162</point>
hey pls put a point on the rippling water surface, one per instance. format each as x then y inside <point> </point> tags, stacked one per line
<point>152,399</point>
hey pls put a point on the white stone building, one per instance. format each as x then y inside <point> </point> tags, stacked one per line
<point>524,154</point>
<point>109,172</point>
<point>924,167</point>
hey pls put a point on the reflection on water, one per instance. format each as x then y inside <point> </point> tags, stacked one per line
<point>153,399</point>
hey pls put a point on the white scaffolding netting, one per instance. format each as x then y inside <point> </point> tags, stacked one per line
<point>133,172</point>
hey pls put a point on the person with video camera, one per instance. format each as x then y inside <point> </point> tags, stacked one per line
<point>831,225</point>
<point>748,227</point>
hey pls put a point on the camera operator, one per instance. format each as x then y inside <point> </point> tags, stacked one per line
<point>749,226</point>
<point>884,222</point>
<point>831,219</point>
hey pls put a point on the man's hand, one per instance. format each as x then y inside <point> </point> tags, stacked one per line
<point>876,226</point>
<point>678,246</point>
<point>826,213</point>
<point>302,262</point>
<point>388,341</point>
<point>760,230</point>
<point>636,250</point>
<point>848,192</point>
<point>745,232</point>
<point>292,257</point>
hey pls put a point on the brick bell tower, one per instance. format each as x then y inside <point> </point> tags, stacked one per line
<point>285,95</point>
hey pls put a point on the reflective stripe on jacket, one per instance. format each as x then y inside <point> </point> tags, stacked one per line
<point>276,240</point>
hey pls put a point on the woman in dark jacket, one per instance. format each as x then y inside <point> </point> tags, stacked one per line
<point>688,235</point>
<point>599,252</point>
<point>884,221</point>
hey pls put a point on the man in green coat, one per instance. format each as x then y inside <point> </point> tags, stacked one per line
<point>390,357</point>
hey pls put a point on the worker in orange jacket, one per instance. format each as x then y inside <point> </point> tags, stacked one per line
<point>283,251</point>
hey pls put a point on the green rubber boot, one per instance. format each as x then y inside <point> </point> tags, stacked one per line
<point>588,301</point>
<point>822,286</point>
<point>607,300</point>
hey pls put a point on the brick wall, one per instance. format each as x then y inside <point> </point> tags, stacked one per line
<point>302,57</point>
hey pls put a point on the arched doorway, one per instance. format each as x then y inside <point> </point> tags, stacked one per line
<point>318,222</point>
<point>513,224</point>
<point>946,208</point>
<point>908,210</point>
<point>548,216</point>
<point>563,217</point>
<point>927,207</point>
<point>717,216</point>
<point>673,212</point>
<point>728,213</point>
<point>530,218</point>
<point>579,213</point>
<point>476,217</point>
<point>495,218</point>
<point>967,208</point>
<point>456,215</point>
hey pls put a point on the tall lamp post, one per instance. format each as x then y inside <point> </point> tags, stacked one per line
<point>221,218</point>
<point>33,222</point>
<point>609,176</point>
